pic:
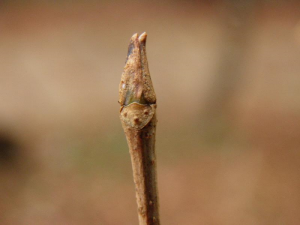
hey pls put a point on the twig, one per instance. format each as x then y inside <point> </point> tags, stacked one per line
<point>138,117</point>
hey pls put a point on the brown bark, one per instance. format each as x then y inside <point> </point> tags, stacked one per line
<point>138,117</point>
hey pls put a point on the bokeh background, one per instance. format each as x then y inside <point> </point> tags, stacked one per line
<point>227,78</point>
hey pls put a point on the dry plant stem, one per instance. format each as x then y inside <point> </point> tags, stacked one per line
<point>138,117</point>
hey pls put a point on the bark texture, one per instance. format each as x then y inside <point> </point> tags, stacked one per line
<point>138,117</point>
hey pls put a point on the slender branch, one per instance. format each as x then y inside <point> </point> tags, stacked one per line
<point>138,117</point>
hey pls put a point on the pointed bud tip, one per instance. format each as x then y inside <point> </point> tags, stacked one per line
<point>134,44</point>
<point>143,37</point>
<point>134,36</point>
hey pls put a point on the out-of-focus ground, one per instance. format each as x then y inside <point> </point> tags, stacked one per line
<point>228,139</point>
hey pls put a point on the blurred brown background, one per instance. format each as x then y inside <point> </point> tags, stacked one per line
<point>226,74</point>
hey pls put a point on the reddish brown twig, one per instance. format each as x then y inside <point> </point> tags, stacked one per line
<point>138,117</point>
